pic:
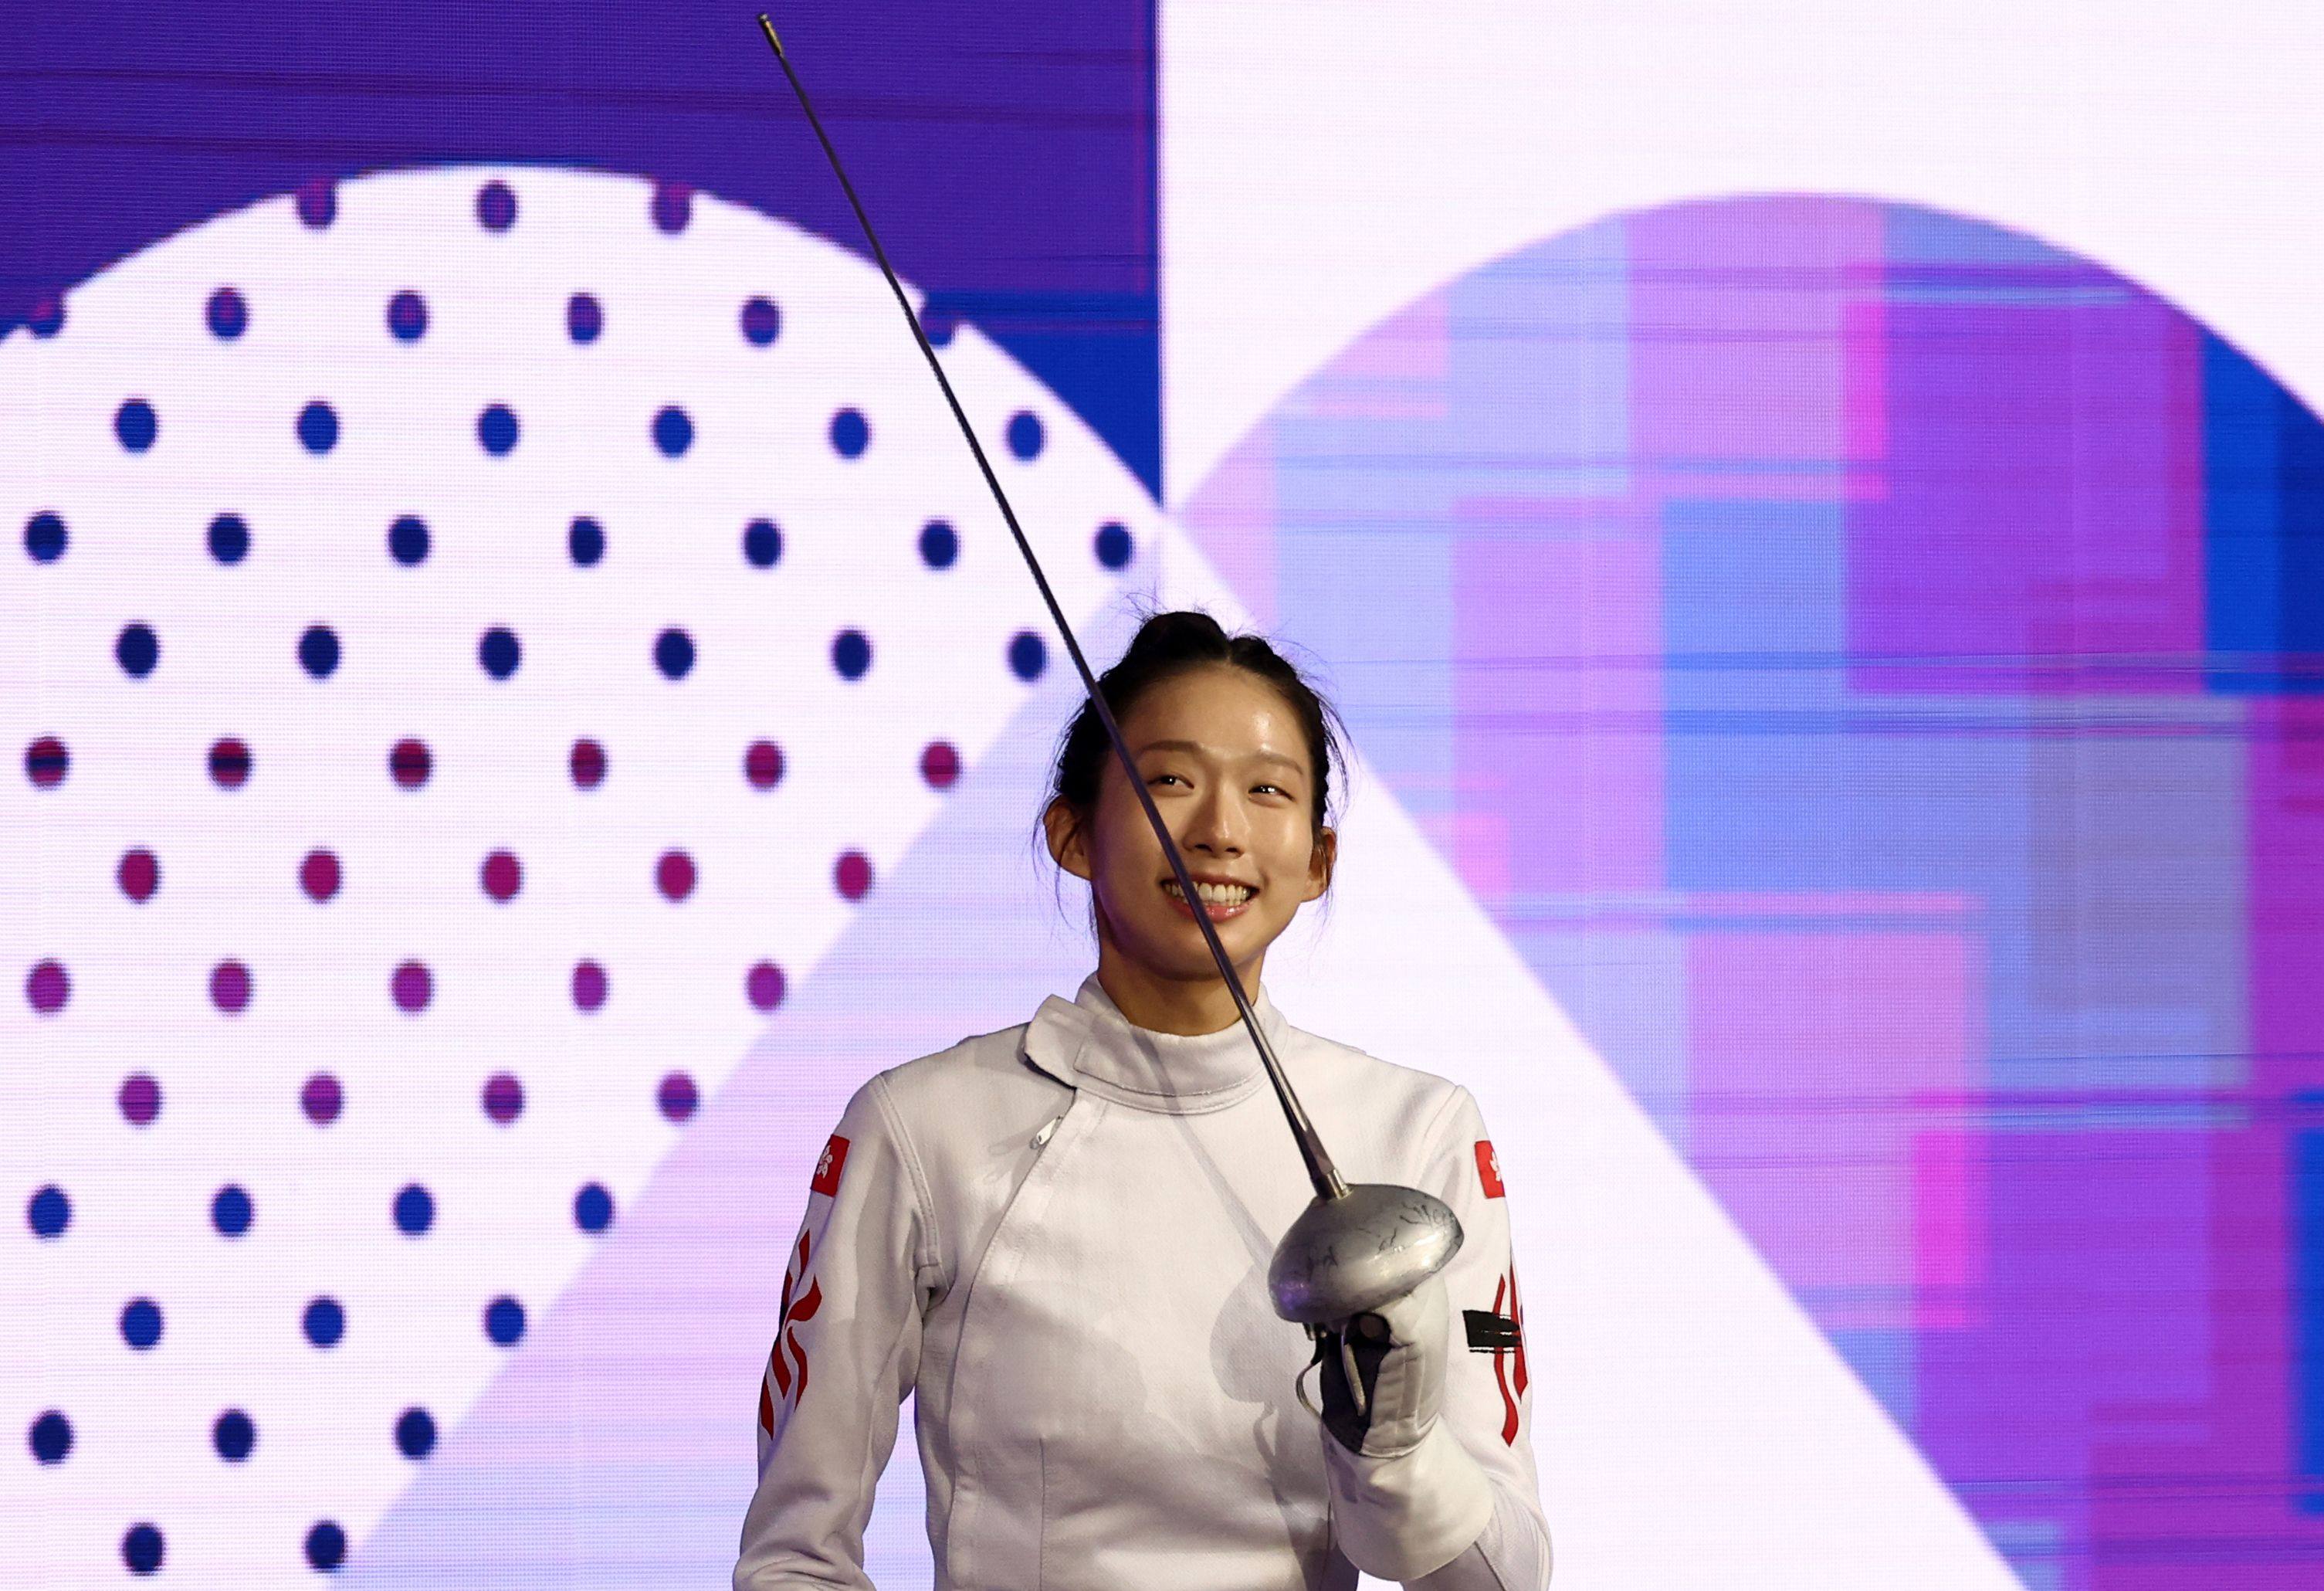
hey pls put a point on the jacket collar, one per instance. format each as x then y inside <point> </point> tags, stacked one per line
<point>1086,1044</point>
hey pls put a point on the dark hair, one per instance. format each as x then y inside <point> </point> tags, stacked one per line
<point>1167,645</point>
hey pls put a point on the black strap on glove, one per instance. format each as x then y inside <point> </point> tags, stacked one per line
<point>1362,1346</point>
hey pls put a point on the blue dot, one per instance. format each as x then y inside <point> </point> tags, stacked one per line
<point>407,540</point>
<point>674,655</point>
<point>137,651</point>
<point>228,315</point>
<point>584,317</point>
<point>851,653</point>
<point>326,1546</point>
<point>1113,548</point>
<point>50,1213</point>
<point>939,325</point>
<point>496,429</point>
<point>851,434</point>
<point>585,541</point>
<point>415,1210</point>
<point>142,1549</point>
<point>134,424</point>
<point>415,1433</point>
<point>229,538</point>
<point>234,1436</point>
<point>44,538</point>
<point>1027,656</point>
<point>593,1207</point>
<point>141,1323</point>
<point>504,1321</point>
<point>495,205</point>
<point>499,653</point>
<point>1025,434</point>
<point>407,317</point>
<point>762,543</point>
<point>325,1322</point>
<point>318,651</point>
<point>51,1438</point>
<point>761,321</point>
<point>318,427</point>
<point>47,317</point>
<point>230,1211</point>
<point>673,432</point>
<point>939,544</point>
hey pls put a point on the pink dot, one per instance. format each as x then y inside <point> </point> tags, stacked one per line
<point>322,1099</point>
<point>45,761</point>
<point>588,764</point>
<point>764,985</point>
<point>588,986</point>
<point>412,987</point>
<point>674,875</point>
<point>48,987</point>
<point>762,765</point>
<point>319,876</point>
<point>678,1096</point>
<point>503,877</point>
<point>230,987</point>
<point>139,875</point>
<point>229,763</point>
<point>503,1097</point>
<point>940,764</point>
<point>140,1099</point>
<point>853,875</point>
<point>409,763</point>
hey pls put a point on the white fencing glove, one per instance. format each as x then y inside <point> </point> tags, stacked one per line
<point>1407,1498</point>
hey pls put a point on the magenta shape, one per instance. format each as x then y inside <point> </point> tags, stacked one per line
<point>322,1099</point>
<point>139,875</point>
<point>412,987</point>
<point>940,764</point>
<point>503,876</point>
<point>762,765</point>
<point>589,985</point>
<point>319,876</point>
<point>140,1099</point>
<point>764,985</point>
<point>674,875</point>
<point>853,875</point>
<point>409,763</point>
<point>46,761</point>
<point>678,1096</point>
<point>230,987</point>
<point>503,1097</point>
<point>230,763</point>
<point>47,986</point>
<point>587,764</point>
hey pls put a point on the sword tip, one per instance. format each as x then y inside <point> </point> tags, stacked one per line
<point>772,37</point>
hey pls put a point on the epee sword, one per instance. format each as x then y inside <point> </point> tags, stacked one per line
<point>1355,1248</point>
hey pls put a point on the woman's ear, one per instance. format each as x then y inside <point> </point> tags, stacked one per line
<point>1321,861</point>
<point>1065,828</point>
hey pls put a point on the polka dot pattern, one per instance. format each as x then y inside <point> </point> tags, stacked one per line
<point>50,1438</point>
<point>316,605</point>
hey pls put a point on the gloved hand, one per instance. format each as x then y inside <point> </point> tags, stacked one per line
<point>1397,1354</point>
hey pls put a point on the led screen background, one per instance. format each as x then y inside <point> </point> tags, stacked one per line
<point>521,707</point>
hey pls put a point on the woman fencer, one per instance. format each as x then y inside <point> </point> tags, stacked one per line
<point>1057,1235</point>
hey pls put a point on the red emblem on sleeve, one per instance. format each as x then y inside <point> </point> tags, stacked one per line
<point>1488,1169</point>
<point>828,1168</point>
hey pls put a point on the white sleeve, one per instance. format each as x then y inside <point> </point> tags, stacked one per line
<point>1421,1510</point>
<point>847,1353</point>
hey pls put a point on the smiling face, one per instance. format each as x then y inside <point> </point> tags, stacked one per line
<point>1228,765</point>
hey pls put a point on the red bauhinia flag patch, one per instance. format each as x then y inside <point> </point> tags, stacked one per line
<point>828,1168</point>
<point>1488,1169</point>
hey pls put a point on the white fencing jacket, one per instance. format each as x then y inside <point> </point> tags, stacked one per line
<point>1057,1236</point>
